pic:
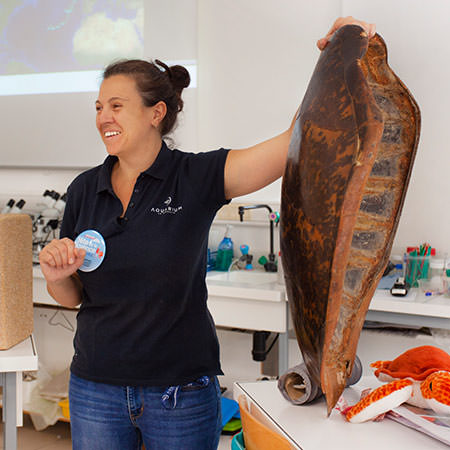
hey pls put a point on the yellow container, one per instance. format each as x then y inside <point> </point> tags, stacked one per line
<point>65,407</point>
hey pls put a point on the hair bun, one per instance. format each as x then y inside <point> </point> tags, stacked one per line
<point>178,75</point>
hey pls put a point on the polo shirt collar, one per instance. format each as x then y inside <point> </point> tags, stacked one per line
<point>159,169</point>
<point>161,165</point>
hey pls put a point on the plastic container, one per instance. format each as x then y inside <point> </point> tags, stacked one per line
<point>225,252</point>
<point>64,404</point>
<point>435,281</point>
<point>211,260</point>
<point>398,270</point>
<point>237,443</point>
<point>417,268</point>
<point>280,270</point>
<point>447,272</point>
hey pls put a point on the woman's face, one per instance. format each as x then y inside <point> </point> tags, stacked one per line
<point>124,123</point>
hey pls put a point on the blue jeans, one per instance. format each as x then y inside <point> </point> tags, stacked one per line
<point>109,417</point>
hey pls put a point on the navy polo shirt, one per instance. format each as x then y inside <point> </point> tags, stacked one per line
<point>143,318</point>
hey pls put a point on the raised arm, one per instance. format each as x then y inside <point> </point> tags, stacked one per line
<point>250,169</point>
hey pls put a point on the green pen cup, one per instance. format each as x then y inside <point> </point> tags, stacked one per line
<point>417,268</point>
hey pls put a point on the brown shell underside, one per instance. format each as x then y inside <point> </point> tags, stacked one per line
<point>348,168</point>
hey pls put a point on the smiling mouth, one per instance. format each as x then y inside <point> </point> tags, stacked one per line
<point>108,134</point>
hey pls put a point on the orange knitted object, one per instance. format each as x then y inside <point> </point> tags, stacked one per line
<point>416,363</point>
<point>437,386</point>
<point>421,377</point>
<point>378,394</point>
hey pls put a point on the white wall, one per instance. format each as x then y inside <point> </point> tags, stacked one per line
<point>255,59</point>
<point>419,52</point>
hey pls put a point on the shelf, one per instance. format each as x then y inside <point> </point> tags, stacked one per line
<point>245,223</point>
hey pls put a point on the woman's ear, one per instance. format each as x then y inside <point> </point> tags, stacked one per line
<point>159,112</point>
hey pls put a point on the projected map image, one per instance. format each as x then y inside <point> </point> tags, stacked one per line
<point>43,36</point>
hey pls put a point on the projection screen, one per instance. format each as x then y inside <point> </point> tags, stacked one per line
<point>51,57</point>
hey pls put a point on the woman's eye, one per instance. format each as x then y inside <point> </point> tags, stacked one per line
<point>116,106</point>
<point>98,108</point>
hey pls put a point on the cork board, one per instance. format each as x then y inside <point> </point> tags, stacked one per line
<point>16,278</point>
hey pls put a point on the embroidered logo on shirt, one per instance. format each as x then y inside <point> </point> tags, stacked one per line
<point>166,209</point>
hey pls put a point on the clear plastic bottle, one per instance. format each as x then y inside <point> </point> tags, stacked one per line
<point>447,272</point>
<point>446,275</point>
<point>280,269</point>
<point>225,252</point>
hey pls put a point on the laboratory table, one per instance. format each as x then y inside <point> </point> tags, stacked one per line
<point>307,427</point>
<point>13,362</point>
<point>263,306</point>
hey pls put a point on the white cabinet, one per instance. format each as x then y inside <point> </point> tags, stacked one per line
<point>251,301</point>
<point>54,327</point>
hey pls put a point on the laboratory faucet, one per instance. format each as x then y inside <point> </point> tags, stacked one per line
<point>269,266</point>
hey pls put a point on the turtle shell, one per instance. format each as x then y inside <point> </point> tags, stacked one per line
<point>348,167</point>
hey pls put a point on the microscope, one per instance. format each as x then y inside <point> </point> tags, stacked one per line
<point>47,221</point>
<point>12,207</point>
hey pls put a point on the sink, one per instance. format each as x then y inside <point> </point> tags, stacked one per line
<point>245,285</point>
<point>243,277</point>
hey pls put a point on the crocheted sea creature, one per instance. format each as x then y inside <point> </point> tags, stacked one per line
<point>419,377</point>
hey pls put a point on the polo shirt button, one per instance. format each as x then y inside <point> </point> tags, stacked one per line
<point>126,219</point>
<point>137,191</point>
<point>131,205</point>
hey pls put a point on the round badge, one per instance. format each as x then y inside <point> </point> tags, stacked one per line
<point>94,244</point>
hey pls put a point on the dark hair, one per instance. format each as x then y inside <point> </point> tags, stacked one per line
<point>155,84</point>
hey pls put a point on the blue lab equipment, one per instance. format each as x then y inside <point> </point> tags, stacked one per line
<point>225,252</point>
<point>246,257</point>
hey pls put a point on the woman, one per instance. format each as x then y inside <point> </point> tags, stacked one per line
<point>146,354</point>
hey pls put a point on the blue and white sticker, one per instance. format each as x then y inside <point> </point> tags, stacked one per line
<point>94,244</point>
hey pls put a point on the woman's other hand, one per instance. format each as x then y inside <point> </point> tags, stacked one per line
<point>60,259</point>
<point>369,28</point>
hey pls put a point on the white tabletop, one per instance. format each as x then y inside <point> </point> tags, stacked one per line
<point>414,303</point>
<point>21,357</point>
<point>308,428</point>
